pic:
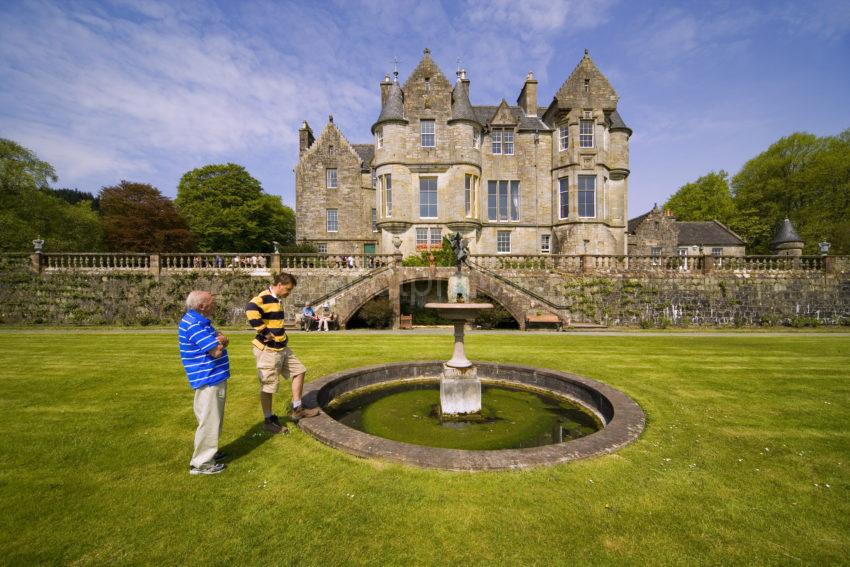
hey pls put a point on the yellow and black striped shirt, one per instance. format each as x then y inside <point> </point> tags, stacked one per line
<point>265,315</point>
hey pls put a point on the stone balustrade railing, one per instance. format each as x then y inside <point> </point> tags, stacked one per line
<point>264,263</point>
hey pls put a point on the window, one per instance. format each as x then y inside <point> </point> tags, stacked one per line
<point>585,137</point>
<point>683,251</point>
<point>428,197</point>
<point>503,200</point>
<point>564,138</point>
<point>427,84</point>
<point>544,243</point>
<point>717,252</point>
<point>322,247</point>
<point>587,85</point>
<point>330,178</point>
<point>587,196</point>
<point>563,192</point>
<point>476,139</point>
<point>374,179</point>
<point>426,128</point>
<point>388,195</point>
<point>374,220</point>
<point>428,237</point>
<point>379,138</point>
<point>502,141</point>
<point>470,194</point>
<point>655,252</point>
<point>503,241</point>
<point>333,220</point>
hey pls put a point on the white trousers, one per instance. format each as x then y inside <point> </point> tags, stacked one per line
<point>209,409</point>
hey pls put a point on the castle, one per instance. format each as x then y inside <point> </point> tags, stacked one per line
<point>519,179</point>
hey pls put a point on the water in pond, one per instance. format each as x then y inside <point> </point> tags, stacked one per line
<point>511,418</point>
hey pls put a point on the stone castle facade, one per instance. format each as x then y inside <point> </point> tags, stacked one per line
<point>513,179</point>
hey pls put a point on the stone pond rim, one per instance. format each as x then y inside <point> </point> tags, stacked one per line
<point>622,417</point>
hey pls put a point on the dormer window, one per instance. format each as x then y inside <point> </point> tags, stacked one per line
<point>502,141</point>
<point>427,133</point>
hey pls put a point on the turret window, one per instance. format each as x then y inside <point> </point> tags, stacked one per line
<point>586,134</point>
<point>564,197</point>
<point>387,182</point>
<point>502,141</point>
<point>587,196</point>
<point>427,132</point>
<point>563,138</point>
<point>379,138</point>
<point>476,139</point>
<point>470,192</point>
<point>330,178</point>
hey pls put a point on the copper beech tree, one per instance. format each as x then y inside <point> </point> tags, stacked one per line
<point>138,218</point>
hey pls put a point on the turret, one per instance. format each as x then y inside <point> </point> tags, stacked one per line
<point>786,241</point>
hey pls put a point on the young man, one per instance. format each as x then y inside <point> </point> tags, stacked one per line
<point>203,351</point>
<point>273,356</point>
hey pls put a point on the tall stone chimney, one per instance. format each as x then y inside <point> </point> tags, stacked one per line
<point>385,89</point>
<point>528,96</point>
<point>305,138</point>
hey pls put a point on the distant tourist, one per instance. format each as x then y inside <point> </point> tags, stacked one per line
<point>325,316</point>
<point>309,315</point>
<point>274,358</point>
<point>203,351</point>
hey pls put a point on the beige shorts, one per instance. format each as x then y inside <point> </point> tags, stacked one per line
<point>272,363</point>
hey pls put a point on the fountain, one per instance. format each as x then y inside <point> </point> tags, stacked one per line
<point>460,388</point>
<point>458,415</point>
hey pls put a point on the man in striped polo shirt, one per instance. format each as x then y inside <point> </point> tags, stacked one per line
<point>203,351</point>
<point>273,356</point>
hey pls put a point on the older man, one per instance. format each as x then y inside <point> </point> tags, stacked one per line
<point>203,351</point>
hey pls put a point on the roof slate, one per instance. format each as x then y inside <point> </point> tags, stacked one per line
<point>394,107</point>
<point>706,233</point>
<point>785,233</point>
<point>366,153</point>
<point>461,108</point>
<point>485,113</point>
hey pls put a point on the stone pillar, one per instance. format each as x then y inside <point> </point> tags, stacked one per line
<point>395,296</point>
<point>275,267</point>
<point>707,264</point>
<point>587,264</point>
<point>829,264</point>
<point>35,262</point>
<point>154,266</point>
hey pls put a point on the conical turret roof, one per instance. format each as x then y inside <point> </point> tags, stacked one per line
<point>461,108</point>
<point>785,233</point>
<point>393,108</point>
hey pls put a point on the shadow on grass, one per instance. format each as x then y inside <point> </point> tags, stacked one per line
<point>250,440</point>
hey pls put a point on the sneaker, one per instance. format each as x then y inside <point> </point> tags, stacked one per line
<point>272,425</point>
<point>208,468</point>
<point>303,412</point>
<point>219,456</point>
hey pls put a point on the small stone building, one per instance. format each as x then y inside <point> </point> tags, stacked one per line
<point>658,233</point>
<point>513,179</point>
<point>786,240</point>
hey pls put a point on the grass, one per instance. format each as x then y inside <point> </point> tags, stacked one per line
<point>745,459</point>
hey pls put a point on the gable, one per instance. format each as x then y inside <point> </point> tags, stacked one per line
<point>504,116</point>
<point>587,87</point>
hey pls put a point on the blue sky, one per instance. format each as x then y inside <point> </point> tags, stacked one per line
<point>147,90</point>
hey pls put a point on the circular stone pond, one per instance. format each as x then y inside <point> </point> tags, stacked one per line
<point>532,416</point>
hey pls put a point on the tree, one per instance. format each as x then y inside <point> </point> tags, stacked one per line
<point>138,218</point>
<point>227,210</point>
<point>707,198</point>
<point>29,209</point>
<point>804,178</point>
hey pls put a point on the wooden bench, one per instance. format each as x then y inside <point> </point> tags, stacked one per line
<point>543,319</point>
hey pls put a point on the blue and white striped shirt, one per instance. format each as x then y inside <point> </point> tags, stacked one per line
<point>197,337</point>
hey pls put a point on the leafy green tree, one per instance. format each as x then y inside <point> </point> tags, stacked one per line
<point>227,210</point>
<point>29,209</point>
<point>705,199</point>
<point>138,218</point>
<point>804,178</point>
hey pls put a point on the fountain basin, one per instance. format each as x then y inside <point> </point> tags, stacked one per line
<point>459,311</point>
<point>621,418</point>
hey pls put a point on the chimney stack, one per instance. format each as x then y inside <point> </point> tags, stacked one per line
<point>385,89</point>
<point>528,96</point>
<point>305,138</point>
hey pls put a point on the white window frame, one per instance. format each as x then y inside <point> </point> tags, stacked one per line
<point>717,251</point>
<point>421,236</point>
<point>322,247</point>
<point>563,138</point>
<point>502,141</point>
<point>379,138</point>
<point>476,139</point>
<point>331,179</point>
<point>387,188</point>
<point>332,220</point>
<point>586,139</point>
<point>423,133</point>
<point>503,200</point>
<point>585,201</point>
<point>496,141</point>
<point>428,205</point>
<point>435,237</point>
<point>503,237</point>
<point>563,197</point>
<point>470,195</point>
<point>545,243</point>
<point>374,220</point>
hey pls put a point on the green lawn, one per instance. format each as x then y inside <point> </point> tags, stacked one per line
<point>745,459</point>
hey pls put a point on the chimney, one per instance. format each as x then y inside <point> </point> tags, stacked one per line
<point>528,96</point>
<point>305,138</point>
<point>385,89</point>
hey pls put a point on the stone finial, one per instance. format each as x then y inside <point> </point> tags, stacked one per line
<point>586,51</point>
<point>426,51</point>
<point>331,118</point>
<point>530,76</point>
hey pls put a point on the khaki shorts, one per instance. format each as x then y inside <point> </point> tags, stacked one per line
<point>272,363</point>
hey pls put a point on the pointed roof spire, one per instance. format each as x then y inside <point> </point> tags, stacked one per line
<point>461,107</point>
<point>785,233</point>
<point>393,109</point>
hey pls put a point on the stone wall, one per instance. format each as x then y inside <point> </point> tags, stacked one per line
<point>112,297</point>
